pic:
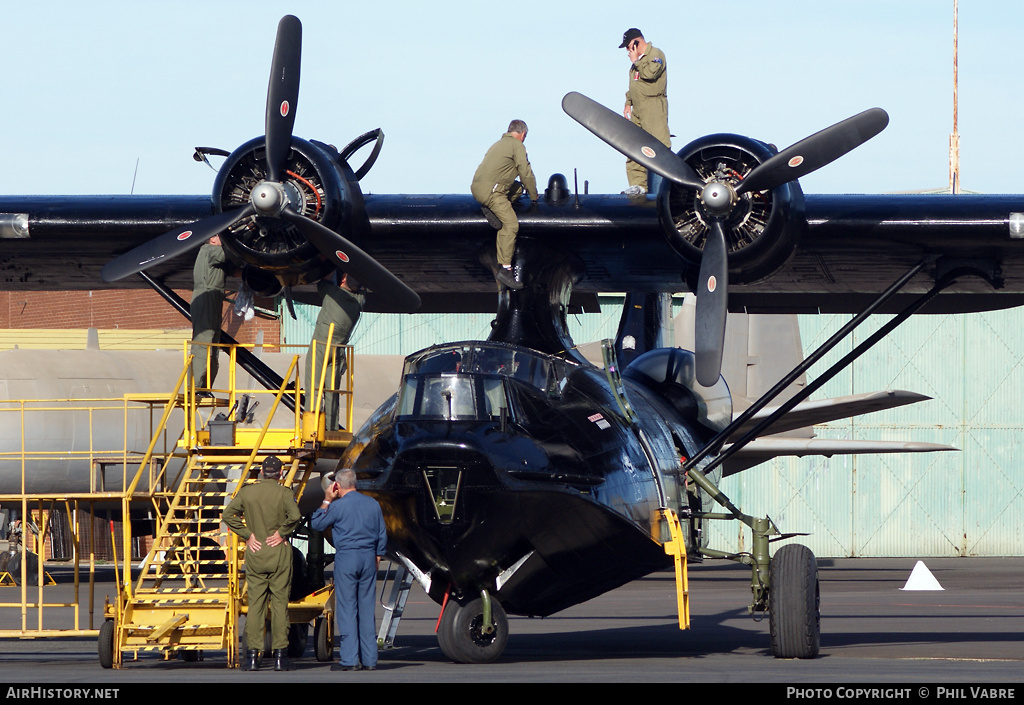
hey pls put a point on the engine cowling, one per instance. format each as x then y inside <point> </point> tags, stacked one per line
<point>318,185</point>
<point>762,230</point>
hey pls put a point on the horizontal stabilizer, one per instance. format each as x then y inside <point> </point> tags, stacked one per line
<point>821,411</point>
<point>764,449</point>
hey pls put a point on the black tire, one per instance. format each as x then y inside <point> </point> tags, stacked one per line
<point>460,635</point>
<point>794,619</point>
<point>445,628</point>
<point>298,635</point>
<point>323,640</point>
<point>300,581</point>
<point>106,644</point>
<point>191,655</point>
<point>14,566</point>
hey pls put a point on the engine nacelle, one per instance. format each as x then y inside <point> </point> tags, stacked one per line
<point>761,231</point>
<point>318,185</point>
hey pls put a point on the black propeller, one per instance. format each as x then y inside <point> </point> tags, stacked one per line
<point>269,198</point>
<point>720,197</point>
<point>283,94</point>
<point>633,141</point>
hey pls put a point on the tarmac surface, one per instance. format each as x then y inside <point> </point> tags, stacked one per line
<point>872,631</point>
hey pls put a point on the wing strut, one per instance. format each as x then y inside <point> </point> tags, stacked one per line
<point>716,443</point>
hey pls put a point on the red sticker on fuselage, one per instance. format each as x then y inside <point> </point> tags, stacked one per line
<point>796,161</point>
<point>712,285</point>
<point>285,108</point>
<point>341,255</point>
<point>647,152</point>
<point>185,235</point>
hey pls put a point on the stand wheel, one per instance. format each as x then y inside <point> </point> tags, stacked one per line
<point>794,620</point>
<point>323,640</point>
<point>106,644</point>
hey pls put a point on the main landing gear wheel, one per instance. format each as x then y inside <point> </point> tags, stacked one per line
<point>462,637</point>
<point>793,603</point>
<point>106,644</point>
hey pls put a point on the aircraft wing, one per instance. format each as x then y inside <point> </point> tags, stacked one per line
<point>764,449</point>
<point>852,247</point>
<point>810,413</point>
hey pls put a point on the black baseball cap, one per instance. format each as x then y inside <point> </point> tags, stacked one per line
<point>631,34</point>
<point>272,465</point>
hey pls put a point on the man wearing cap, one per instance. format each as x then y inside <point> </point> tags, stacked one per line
<point>494,187</point>
<point>264,514</point>
<point>646,100</point>
<point>360,541</point>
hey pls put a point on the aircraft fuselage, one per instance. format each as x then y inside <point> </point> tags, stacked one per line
<point>503,469</point>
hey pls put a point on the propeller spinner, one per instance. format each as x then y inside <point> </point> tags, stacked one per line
<point>720,197</point>
<point>270,198</point>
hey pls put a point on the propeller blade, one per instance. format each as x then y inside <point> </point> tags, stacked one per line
<point>816,151</point>
<point>631,140</point>
<point>712,306</point>
<point>283,94</point>
<point>349,258</point>
<point>171,244</point>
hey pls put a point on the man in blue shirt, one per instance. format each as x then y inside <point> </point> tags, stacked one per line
<point>360,541</point>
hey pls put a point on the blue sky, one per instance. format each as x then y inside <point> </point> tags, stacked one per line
<point>91,88</point>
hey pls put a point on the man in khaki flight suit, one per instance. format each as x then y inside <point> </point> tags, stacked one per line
<point>265,515</point>
<point>646,100</point>
<point>494,188</point>
<point>340,305</point>
<point>206,310</point>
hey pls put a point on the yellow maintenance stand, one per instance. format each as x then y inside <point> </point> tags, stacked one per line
<point>187,595</point>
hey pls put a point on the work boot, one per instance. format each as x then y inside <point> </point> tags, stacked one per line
<point>281,660</point>
<point>506,277</point>
<point>252,659</point>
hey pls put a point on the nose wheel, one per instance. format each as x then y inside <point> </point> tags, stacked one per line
<point>466,636</point>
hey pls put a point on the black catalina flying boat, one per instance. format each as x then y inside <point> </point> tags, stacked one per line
<point>516,477</point>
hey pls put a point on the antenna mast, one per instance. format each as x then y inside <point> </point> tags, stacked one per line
<point>954,139</point>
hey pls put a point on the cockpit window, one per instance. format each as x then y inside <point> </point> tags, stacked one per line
<point>544,372</point>
<point>452,397</point>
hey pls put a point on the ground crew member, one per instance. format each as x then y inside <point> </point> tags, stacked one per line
<point>206,310</point>
<point>340,305</point>
<point>646,100</point>
<point>493,188</point>
<point>265,515</point>
<point>360,541</point>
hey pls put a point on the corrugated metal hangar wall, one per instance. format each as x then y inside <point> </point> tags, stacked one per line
<point>963,503</point>
<point>930,504</point>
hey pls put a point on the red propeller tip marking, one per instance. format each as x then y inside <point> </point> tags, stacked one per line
<point>796,161</point>
<point>341,255</point>
<point>712,284</point>
<point>647,152</point>
<point>185,235</point>
<point>285,108</point>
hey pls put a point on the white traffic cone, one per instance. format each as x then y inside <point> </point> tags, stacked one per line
<point>921,579</point>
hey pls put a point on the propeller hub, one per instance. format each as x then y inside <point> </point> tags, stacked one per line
<point>718,197</point>
<point>269,198</point>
